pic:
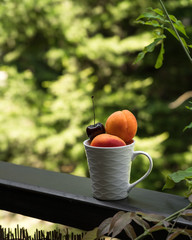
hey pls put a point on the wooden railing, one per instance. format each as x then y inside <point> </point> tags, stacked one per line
<point>67,199</point>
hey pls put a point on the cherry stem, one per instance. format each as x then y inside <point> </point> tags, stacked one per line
<point>93,108</point>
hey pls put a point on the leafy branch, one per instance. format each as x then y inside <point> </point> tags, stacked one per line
<point>161,21</point>
<point>149,222</point>
<point>176,32</point>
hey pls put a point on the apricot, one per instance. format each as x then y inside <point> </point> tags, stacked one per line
<point>122,124</point>
<point>107,140</point>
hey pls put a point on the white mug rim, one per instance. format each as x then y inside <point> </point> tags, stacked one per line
<point>119,147</point>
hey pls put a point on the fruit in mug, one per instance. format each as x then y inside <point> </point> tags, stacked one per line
<point>96,129</point>
<point>122,124</point>
<point>107,140</point>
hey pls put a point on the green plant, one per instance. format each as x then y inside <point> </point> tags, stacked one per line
<point>181,175</point>
<point>151,223</point>
<point>53,69</point>
<point>161,21</point>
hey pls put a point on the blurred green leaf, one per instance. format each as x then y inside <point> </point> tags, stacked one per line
<point>180,27</point>
<point>150,48</point>
<point>139,57</point>
<point>153,23</point>
<point>169,183</point>
<point>158,11</point>
<point>159,61</point>
<point>177,177</point>
<point>188,127</point>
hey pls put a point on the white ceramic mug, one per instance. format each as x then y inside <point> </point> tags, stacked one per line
<point>110,169</point>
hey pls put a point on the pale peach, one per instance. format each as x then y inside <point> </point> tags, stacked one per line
<point>122,124</point>
<point>107,140</point>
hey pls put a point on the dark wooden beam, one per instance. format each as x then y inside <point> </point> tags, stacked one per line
<point>67,199</point>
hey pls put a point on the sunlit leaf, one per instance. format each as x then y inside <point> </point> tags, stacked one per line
<point>157,19</point>
<point>159,61</point>
<point>148,15</point>
<point>104,227</point>
<point>158,11</point>
<point>180,27</point>
<point>130,231</point>
<point>152,45</point>
<point>173,18</point>
<point>148,48</point>
<point>153,23</point>
<point>139,57</point>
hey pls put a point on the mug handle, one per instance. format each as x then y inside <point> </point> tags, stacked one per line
<point>136,153</point>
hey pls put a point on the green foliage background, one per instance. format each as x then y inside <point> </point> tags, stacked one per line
<point>54,55</point>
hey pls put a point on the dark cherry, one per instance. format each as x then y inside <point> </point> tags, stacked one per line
<point>96,128</point>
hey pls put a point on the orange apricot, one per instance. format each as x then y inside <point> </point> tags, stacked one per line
<point>122,124</point>
<point>107,140</point>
